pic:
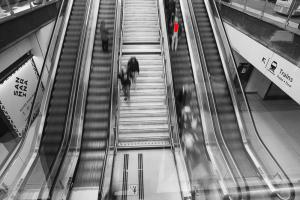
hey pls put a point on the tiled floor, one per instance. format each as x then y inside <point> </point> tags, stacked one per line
<point>278,124</point>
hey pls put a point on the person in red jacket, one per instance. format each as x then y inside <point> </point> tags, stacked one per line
<point>175,32</point>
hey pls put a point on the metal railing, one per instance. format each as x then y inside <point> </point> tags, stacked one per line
<point>10,9</point>
<point>263,10</point>
<point>106,176</point>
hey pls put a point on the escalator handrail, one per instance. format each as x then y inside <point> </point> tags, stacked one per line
<point>169,80</point>
<point>56,32</point>
<point>205,110</point>
<point>56,45</point>
<point>253,159</point>
<point>219,29</point>
<point>113,102</point>
<point>74,142</point>
<point>54,168</point>
<point>213,104</point>
<point>106,174</point>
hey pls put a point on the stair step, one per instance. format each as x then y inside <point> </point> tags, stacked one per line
<point>144,136</point>
<point>154,93</point>
<point>142,58</point>
<point>141,49</point>
<point>140,128</point>
<point>142,105</point>
<point>144,120</point>
<point>143,113</point>
<point>144,144</point>
<point>141,39</point>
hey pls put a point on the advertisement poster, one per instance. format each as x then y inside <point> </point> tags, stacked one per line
<point>17,94</point>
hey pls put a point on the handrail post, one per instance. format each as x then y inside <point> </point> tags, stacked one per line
<point>9,7</point>
<point>291,10</point>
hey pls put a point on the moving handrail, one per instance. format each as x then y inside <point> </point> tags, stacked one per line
<point>61,184</point>
<point>56,33</point>
<point>71,111</point>
<point>113,103</point>
<point>106,176</point>
<point>228,61</point>
<point>54,167</point>
<point>205,110</point>
<point>217,124</point>
<point>55,46</point>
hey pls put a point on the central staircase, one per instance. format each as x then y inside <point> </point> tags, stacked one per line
<point>144,119</point>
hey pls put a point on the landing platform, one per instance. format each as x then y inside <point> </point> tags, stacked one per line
<point>150,174</point>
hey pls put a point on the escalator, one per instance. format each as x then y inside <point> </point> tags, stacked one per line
<point>96,119</point>
<point>182,73</point>
<point>60,102</point>
<point>224,106</point>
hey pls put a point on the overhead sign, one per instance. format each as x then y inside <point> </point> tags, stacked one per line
<point>280,71</point>
<point>17,93</point>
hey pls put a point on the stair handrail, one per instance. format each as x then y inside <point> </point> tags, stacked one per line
<point>227,61</point>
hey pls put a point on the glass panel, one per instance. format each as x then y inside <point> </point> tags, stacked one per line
<point>11,7</point>
<point>5,9</point>
<point>276,12</point>
<point>277,39</point>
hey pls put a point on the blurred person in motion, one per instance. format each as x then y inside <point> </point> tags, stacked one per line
<point>125,82</point>
<point>183,96</point>
<point>133,68</point>
<point>170,11</point>
<point>104,36</point>
<point>183,100</point>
